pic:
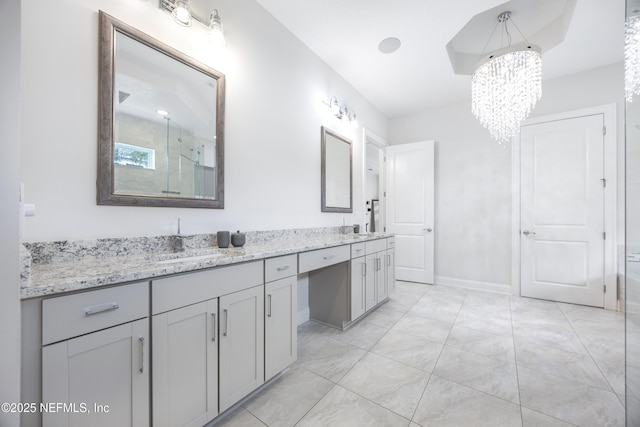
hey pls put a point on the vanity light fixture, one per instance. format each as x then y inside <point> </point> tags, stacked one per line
<point>179,10</point>
<point>506,84</point>
<point>216,32</point>
<point>181,13</point>
<point>341,111</point>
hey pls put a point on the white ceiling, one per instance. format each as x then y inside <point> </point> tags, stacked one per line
<point>419,76</point>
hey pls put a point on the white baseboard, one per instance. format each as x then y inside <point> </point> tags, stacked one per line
<point>474,284</point>
<point>303,316</point>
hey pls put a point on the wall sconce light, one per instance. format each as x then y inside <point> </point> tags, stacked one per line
<point>179,10</point>
<point>341,111</point>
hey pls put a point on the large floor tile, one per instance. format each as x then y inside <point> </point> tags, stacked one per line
<point>408,349</point>
<point>289,398</point>
<point>496,346</point>
<point>363,335</point>
<point>391,384</point>
<point>343,408</point>
<point>552,336</point>
<point>423,327</point>
<point>483,373</point>
<point>489,324</point>
<point>384,317</point>
<point>239,417</point>
<point>561,363</point>
<point>328,358</point>
<point>531,418</point>
<point>570,401</point>
<point>446,403</point>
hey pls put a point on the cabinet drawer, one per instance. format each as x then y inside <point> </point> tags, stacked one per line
<point>72,315</point>
<point>190,288</point>
<point>280,267</point>
<point>320,258</point>
<point>358,250</point>
<point>391,242</point>
<point>376,245</point>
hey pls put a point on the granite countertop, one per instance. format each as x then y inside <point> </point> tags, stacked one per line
<point>94,271</point>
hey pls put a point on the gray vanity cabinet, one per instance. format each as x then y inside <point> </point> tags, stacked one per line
<point>208,342</point>
<point>95,358</point>
<point>241,344</point>
<point>185,365</point>
<point>280,327</point>
<point>358,281</point>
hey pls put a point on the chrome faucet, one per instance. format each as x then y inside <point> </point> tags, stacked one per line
<point>178,241</point>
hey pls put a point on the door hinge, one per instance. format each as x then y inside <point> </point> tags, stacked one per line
<point>604,130</point>
<point>384,194</point>
<point>604,182</point>
<point>604,235</point>
<point>605,288</point>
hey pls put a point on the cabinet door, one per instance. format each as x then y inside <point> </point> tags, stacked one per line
<point>391,271</point>
<point>371,298</point>
<point>358,284</point>
<point>241,344</point>
<point>381,276</point>
<point>102,377</point>
<point>280,328</point>
<point>185,365</point>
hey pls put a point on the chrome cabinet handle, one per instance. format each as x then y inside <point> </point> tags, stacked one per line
<point>141,343</point>
<point>388,260</point>
<point>226,321</point>
<point>328,257</point>
<point>101,308</point>
<point>213,327</point>
<point>283,268</point>
<point>269,306</point>
<point>364,269</point>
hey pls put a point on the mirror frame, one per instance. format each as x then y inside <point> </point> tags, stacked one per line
<point>105,183</point>
<point>323,173</point>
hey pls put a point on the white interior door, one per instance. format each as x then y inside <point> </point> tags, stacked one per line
<point>409,205</point>
<point>562,210</point>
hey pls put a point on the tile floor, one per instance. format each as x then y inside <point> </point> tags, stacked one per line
<point>442,356</point>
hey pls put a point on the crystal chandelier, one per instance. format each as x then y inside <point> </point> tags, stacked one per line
<point>507,86</point>
<point>632,57</point>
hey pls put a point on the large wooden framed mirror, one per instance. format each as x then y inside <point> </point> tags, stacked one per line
<point>161,114</point>
<point>336,173</point>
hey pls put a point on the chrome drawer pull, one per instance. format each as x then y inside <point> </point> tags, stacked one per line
<point>269,312</point>
<point>328,257</point>
<point>283,268</point>
<point>213,324</point>
<point>95,309</point>
<point>226,321</point>
<point>141,341</point>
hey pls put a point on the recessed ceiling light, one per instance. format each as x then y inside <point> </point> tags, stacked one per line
<point>162,112</point>
<point>389,45</point>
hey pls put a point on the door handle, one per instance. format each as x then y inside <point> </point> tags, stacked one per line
<point>428,230</point>
<point>528,233</point>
